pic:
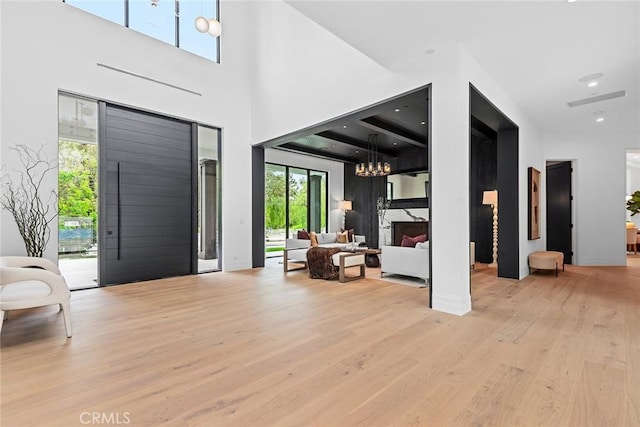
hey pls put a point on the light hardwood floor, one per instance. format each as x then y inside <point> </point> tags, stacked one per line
<point>256,348</point>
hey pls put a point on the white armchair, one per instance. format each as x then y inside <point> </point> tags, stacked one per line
<point>23,287</point>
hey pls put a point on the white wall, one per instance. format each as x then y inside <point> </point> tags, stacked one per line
<point>304,74</point>
<point>49,46</point>
<point>599,193</point>
<point>336,178</point>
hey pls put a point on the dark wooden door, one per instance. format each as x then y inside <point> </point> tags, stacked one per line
<point>559,198</point>
<point>146,194</point>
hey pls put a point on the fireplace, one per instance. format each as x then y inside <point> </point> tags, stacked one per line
<point>410,228</point>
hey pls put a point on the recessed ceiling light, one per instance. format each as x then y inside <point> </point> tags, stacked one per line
<point>571,1</point>
<point>600,119</point>
<point>423,122</point>
<point>429,51</point>
<point>344,127</point>
<point>593,84</point>
<point>397,110</point>
<point>357,151</point>
<point>395,143</point>
<point>333,145</point>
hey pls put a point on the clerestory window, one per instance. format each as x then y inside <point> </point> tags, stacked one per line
<point>170,21</point>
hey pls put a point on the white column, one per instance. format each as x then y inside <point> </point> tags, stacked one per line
<point>450,191</point>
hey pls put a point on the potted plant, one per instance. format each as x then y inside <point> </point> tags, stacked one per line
<point>633,204</point>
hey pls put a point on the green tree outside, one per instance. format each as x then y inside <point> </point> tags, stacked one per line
<point>78,181</point>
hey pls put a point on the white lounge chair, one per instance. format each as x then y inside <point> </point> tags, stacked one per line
<point>27,282</point>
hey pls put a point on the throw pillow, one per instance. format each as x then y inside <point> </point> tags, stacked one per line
<point>324,238</point>
<point>303,234</point>
<point>410,242</point>
<point>350,234</point>
<point>343,237</point>
<point>314,238</point>
<point>423,245</point>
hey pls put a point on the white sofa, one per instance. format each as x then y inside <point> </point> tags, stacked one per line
<point>296,249</point>
<point>406,261</point>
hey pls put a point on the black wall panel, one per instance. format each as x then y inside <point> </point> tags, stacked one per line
<point>508,209</point>
<point>363,193</point>
<point>257,207</point>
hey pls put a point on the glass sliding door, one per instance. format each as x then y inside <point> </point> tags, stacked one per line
<point>209,245</point>
<point>275,208</point>
<point>298,201</point>
<point>295,199</point>
<point>78,190</point>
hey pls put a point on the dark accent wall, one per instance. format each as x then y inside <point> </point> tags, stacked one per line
<point>508,209</point>
<point>483,176</point>
<point>363,193</point>
<point>257,207</point>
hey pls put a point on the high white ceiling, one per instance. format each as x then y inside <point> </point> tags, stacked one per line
<point>536,50</point>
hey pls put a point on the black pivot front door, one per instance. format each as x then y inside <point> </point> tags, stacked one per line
<point>146,195</point>
<point>559,225</point>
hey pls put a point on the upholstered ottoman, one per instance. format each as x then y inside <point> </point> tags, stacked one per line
<point>546,260</point>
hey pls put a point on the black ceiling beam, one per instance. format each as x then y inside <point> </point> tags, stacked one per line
<point>345,139</point>
<point>325,154</point>
<point>396,132</point>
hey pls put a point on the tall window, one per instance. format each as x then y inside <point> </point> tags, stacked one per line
<point>171,21</point>
<point>295,199</point>
<point>209,196</point>
<point>78,190</point>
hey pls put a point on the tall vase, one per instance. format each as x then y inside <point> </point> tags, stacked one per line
<point>382,239</point>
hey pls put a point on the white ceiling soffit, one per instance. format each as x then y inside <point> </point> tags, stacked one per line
<point>536,50</point>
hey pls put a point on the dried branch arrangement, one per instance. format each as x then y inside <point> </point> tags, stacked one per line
<point>22,196</point>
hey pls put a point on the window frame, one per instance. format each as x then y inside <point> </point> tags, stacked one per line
<point>176,42</point>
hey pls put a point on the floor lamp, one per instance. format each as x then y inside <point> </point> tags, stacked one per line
<point>491,198</point>
<point>344,205</point>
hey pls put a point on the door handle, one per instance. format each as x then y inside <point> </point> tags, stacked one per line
<point>119,208</point>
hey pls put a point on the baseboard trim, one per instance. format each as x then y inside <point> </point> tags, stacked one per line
<point>451,304</point>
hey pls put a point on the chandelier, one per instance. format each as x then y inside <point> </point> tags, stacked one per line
<point>373,166</point>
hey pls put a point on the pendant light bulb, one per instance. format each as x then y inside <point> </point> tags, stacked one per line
<point>202,24</point>
<point>215,29</point>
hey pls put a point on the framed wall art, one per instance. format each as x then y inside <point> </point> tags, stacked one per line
<point>534,204</point>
